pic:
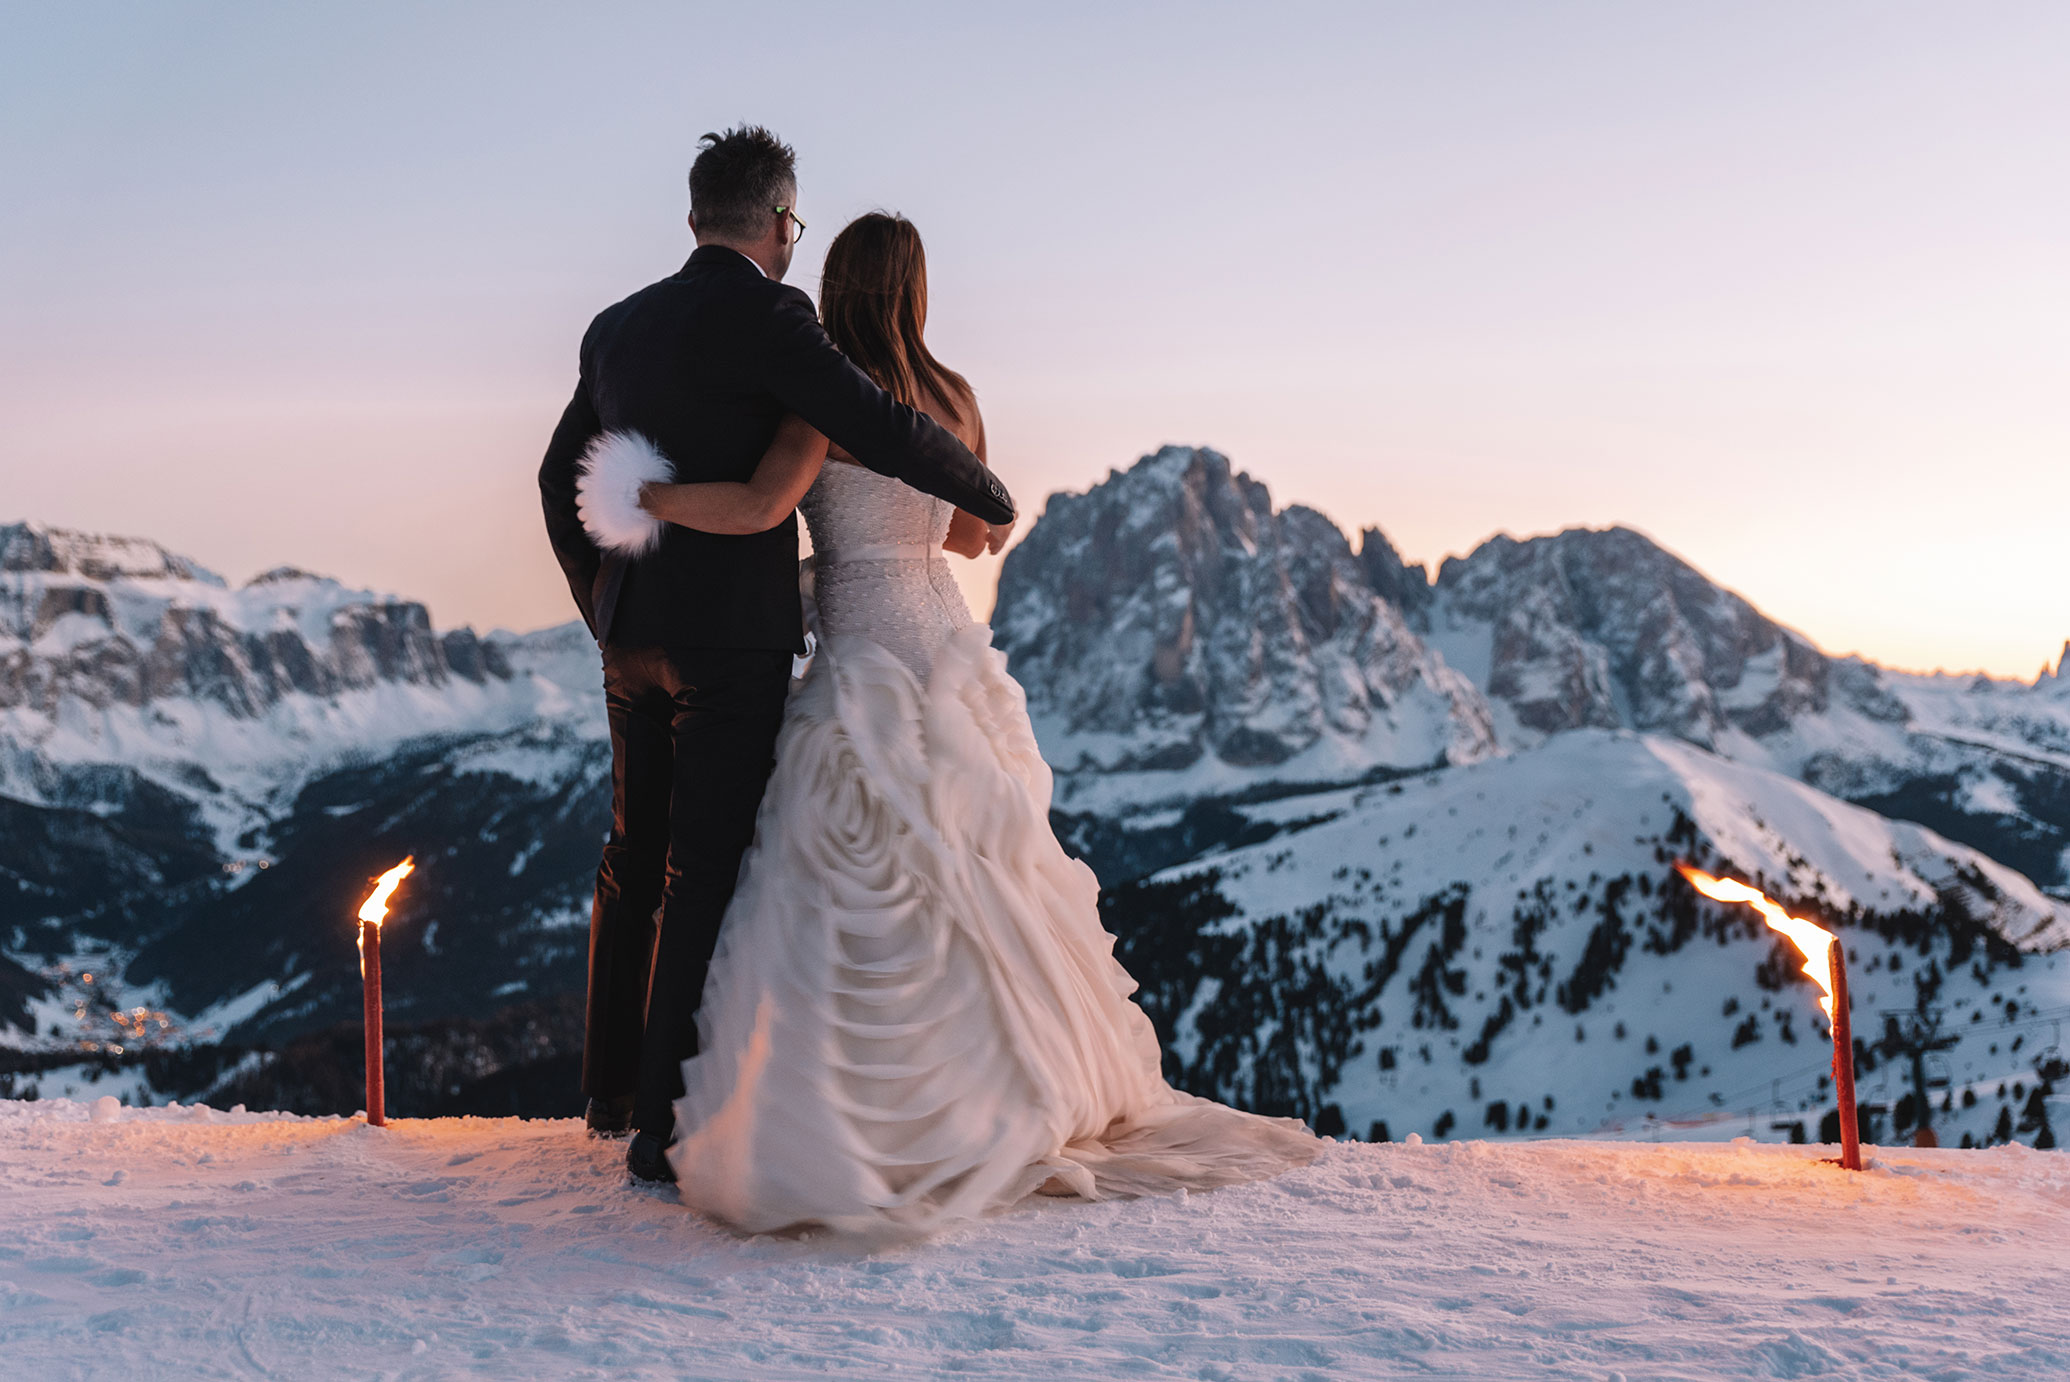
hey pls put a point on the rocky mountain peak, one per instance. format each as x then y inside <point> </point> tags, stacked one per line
<point>1170,621</point>
<point>284,575</point>
<point>1606,628</point>
<point>94,556</point>
<point>2058,676</point>
<point>89,623</point>
<point>1403,584</point>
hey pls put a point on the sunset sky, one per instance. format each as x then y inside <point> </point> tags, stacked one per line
<point>1784,286</point>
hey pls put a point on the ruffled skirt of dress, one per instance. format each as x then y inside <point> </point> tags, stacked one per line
<point>914,1015</point>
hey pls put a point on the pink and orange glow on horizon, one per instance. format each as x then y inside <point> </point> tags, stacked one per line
<point>1775,285</point>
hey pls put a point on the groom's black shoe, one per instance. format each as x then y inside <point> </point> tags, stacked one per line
<point>609,1117</point>
<point>646,1158</point>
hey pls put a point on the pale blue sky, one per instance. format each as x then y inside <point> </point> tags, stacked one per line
<point>1783,285</point>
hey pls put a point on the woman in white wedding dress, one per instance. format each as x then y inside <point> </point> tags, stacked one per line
<point>914,1015</point>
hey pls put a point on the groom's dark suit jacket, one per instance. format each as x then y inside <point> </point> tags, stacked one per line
<point>705,364</point>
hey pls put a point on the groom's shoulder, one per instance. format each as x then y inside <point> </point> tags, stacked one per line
<point>627,306</point>
<point>710,292</point>
<point>691,306</point>
<point>734,284</point>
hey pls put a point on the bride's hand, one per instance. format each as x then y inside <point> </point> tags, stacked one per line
<point>966,535</point>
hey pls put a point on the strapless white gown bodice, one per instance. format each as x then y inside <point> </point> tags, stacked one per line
<point>914,1015</point>
<point>878,570</point>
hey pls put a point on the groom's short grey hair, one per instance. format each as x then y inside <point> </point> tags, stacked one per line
<point>740,179</point>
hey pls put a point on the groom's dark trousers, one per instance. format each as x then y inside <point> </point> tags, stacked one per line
<point>697,636</point>
<point>693,737</point>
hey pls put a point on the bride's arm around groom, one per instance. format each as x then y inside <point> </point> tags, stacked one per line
<point>700,368</point>
<point>787,469</point>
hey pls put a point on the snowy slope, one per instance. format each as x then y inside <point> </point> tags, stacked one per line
<point>1503,947</point>
<point>195,780</point>
<point>184,1242</point>
<point>505,828</point>
<point>1605,628</point>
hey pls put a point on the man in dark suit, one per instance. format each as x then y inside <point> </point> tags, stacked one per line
<point>697,635</point>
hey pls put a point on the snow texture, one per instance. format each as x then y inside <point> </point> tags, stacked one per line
<point>189,1242</point>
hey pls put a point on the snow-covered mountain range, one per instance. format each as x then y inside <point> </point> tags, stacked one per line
<point>195,779</point>
<point>115,653</point>
<point>1180,641</point>
<point>1607,629</point>
<point>1384,850</point>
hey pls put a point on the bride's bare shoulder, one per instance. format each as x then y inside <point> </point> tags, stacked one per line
<point>960,419</point>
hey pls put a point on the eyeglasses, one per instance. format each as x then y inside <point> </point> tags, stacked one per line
<point>786,211</point>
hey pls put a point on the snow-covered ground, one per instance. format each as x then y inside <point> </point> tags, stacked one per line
<point>186,1242</point>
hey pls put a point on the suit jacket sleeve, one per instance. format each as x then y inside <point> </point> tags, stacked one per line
<point>817,382</point>
<point>579,557</point>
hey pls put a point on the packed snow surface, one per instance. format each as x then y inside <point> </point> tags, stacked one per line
<point>189,1242</point>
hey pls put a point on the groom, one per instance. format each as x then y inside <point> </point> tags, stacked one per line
<point>697,636</point>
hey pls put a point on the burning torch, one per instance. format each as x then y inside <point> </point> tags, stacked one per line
<point>1825,962</point>
<point>371,914</point>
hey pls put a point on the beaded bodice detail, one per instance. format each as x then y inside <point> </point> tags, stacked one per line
<point>878,567</point>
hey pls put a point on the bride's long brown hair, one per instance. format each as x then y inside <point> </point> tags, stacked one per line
<point>873,302</point>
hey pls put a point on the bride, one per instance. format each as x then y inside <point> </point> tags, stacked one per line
<point>914,1015</point>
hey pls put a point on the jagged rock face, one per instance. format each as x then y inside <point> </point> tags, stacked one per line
<point>1605,629</point>
<point>1405,585</point>
<point>1181,642</point>
<point>1169,619</point>
<point>2056,679</point>
<point>92,557</point>
<point>97,622</point>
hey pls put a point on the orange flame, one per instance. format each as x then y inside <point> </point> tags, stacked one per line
<point>375,909</point>
<point>1813,941</point>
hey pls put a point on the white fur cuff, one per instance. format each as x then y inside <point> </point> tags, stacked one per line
<point>607,492</point>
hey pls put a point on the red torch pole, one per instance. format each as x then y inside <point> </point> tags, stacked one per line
<point>370,971</point>
<point>371,913</point>
<point>1843,1062</point>
<point>1807,936</point>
